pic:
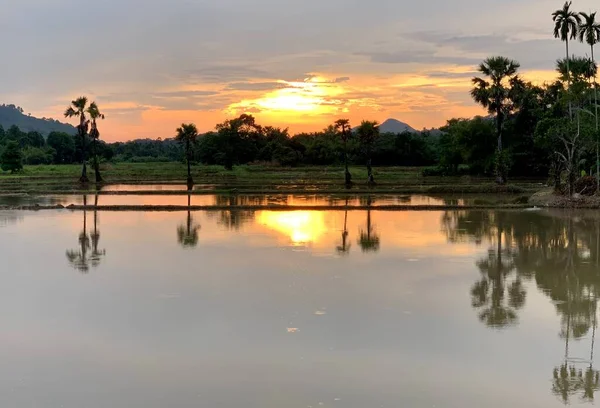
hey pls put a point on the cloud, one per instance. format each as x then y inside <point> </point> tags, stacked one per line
<point>255,86</point>
<point>420,57</point>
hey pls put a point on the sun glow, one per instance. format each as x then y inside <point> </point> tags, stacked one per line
<point>313,96</point>
<point>302,227</point>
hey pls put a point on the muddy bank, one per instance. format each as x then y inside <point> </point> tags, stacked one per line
<point>547,198</point>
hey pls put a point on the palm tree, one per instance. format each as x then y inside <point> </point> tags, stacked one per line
<point>95,114</point>
<point>589,31</point>
<point>368,132</point>
<point>497,97</point>
<point>342,126</point>
<point>566,26</point>
<point>78,109</point>
<point>187,134</point>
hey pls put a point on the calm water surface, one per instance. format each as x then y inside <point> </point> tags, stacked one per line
<point>298,309</point>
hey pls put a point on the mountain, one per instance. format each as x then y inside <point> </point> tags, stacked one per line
<point>395,126</point>
<point>13,115</point>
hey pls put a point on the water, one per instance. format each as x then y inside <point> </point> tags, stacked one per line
<point>285,309</point>
<point>245,199</point>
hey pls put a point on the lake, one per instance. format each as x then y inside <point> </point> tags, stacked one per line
<point>298,309</point>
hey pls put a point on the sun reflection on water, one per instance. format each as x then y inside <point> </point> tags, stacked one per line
<point>302,227</point>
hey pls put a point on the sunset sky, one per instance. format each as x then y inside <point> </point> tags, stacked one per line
<point>152,64</point>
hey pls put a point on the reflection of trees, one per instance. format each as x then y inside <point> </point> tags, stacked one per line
<point>187,235</point>
<point>368,239</point>
<point>234,218</point>
<point>87,254</point>
<point>496,298</point>
<point>344,249</point>
<point>561,253</point>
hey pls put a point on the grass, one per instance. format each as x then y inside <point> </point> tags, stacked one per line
<point>261,178</point>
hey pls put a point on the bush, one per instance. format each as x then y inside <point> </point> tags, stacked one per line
<point>585,185</point>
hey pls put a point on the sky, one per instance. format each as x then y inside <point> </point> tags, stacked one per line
<point>154,64</point>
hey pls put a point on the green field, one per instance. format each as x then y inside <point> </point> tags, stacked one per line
<point>254,179</point>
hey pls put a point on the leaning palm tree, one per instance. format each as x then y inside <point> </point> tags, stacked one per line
<point>368,132</point>
<point>343,127</point>
<point>566,26</point>
<point>187,135</point>
<point>95,114</point>
<point>496,95</point>
<point>589,32</point>
<point>78,109</point>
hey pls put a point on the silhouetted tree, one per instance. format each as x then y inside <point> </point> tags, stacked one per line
<point>368,132</point>
<point>78,109</point>
<point>589,32</point>
<point>566,26</point>
<point>497,97</point>
<point>186,135</point>
<point>343,127</point>
<point>95,115</point>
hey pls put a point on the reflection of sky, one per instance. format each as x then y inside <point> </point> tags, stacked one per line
<point>156,325</point>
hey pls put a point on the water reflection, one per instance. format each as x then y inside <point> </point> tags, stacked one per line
<point>344,248</point>
<point>560,251</point>
<point>235,218</point>
<point>187,235</point>
<point>88,253</point>
<point>368,239</point>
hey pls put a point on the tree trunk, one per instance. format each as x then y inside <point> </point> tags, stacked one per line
<point>500,176</point>
<point>370,178</point>
<point>96,162</point>
<point>569,81</point>
<point>188,152</point>
<point>347,175</point>
<point>597,133</point>
<point>84,178</point>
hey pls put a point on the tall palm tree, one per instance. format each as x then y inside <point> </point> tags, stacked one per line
<point>496,95</point>
<point>78,109</point>
<point>589,31</point>
<point>566,26</point>
<point>95,114</point>
<point>368,132</point>
<point>343,127</point>
<point>187,135</point>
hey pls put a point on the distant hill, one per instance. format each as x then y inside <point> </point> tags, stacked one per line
<point>13,115</point>
<point>394,126</point>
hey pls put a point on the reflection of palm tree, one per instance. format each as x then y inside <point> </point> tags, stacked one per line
<point>344,249</point>
<point>187,235</point>
<point>369,239</point>
<point>489,294</point>
<point>96,254</point>
<point>79,257</point>
<point>234,217</point>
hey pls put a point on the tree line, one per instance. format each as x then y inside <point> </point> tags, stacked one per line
<point>549,130</point>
